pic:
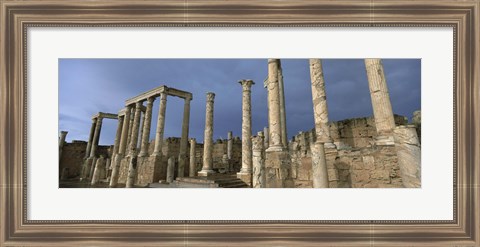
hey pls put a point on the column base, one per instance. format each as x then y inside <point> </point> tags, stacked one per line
<point>245,177</point>
<point>329,145</point>
<point>384,141</point>
<point>205,173</point>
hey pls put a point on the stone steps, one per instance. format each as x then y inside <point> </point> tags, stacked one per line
<point>215,181</point>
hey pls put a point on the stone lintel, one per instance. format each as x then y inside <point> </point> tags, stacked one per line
<point>105,115</point>
<point>156,92</point>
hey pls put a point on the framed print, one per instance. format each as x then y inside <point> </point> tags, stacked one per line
<point>100,74</point>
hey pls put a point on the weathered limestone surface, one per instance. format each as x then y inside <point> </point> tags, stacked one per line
<point>147,122</point>
<point>208,138</point>
<point>182,157</point>
<point>409,155</point>
<point>283,113</point>
<point>319,166</point>
<point>229,145</point>
<point>160,124</point>
<point>259,179</point>
<point>274,122</point>
<point>382,107</point>
<point>171,170</point>
<point>99,170</point>
<point>266,137</point>
<point>246,171</point>
<point>277,170</point>
<point>125,130</point>
<point>132,155</point>
<point>96,137</point>
<point>90,138</point>
<point>417,121</point>
<point>319,98</point>
<point>193,168</point>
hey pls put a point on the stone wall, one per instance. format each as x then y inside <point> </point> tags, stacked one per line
<point>73,155</point>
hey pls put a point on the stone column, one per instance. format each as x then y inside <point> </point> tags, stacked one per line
<point>90,138</point>
<point>100,164</point>
<point>125,129</point>
<point>274,122</point>
<point>283,117</point>
<point>96,137</point>
<point>182,156</point>
<point>170,170</point>
<point>320,113</point>
<point>118,136</point>
<point>193,165</point>
<point>135,128</point>
<point>207,167</point>
<point>160,125</point>
<point>409,155</point>
<point>61,142</point>
<point>130,128</point>
<point>229,145</point>
<point>382,107</point>
<point>265,135</point>
<point>259,179</point>
<point>246,171</point>
<point>132,166</point>
<point>146,127</point>
<point>320,107</point>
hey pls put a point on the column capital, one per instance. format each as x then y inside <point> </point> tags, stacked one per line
<point>210,96</point>
<point>150,100</point>
<point>273,60</point>
<point>138,105</point>
<point>163,96</point>
<point>246,84</point>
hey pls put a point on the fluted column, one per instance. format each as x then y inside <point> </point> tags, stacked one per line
<point>146,127</point>
<point>132,166</point>
<point>283,116</point>
<point>259,179</point>
<point>182,156</point>
<point>90,138</point>
<point>193,165</point>
<point>246,127</point>
<point>207,167</point>
<point>320,107</point>
<point>274,122</point>
<point>382,107</point>
<point>320,113</point>
<point>160,125</point>
<point>96,137</point>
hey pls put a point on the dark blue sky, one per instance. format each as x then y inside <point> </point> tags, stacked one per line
<point>88,86</point>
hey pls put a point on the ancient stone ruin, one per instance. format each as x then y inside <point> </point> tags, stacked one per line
<point>382,151</point>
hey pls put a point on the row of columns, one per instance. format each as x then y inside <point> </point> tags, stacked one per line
<point>128,134</point>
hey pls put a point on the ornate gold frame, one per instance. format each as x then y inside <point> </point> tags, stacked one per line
<point>17,16</point>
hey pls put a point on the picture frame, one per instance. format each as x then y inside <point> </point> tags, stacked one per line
<point>17,16</point>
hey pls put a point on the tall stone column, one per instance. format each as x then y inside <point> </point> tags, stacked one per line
<point>116,145</point>
<point>283,114</point>
<point>259,178</point>
<point>320,113</point>
<point>182,156</point>
<point>207,167</point>
<point>160,125</point>
<point>171,170</point>
<point>90,138</point>
<point>245,173</point>
<point>147,122</point>
<point>99,166</point>
<point>125,129</point>
<point>382,107</point>
<point>193,165</point>
<point>96,137</point>
<point>61,141</point>
<point>407,145</point>
<point>320,107</point>
<point>229,145</point>
<point>132,166</point>
<point>129,136</point>
<point>274,122</point>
